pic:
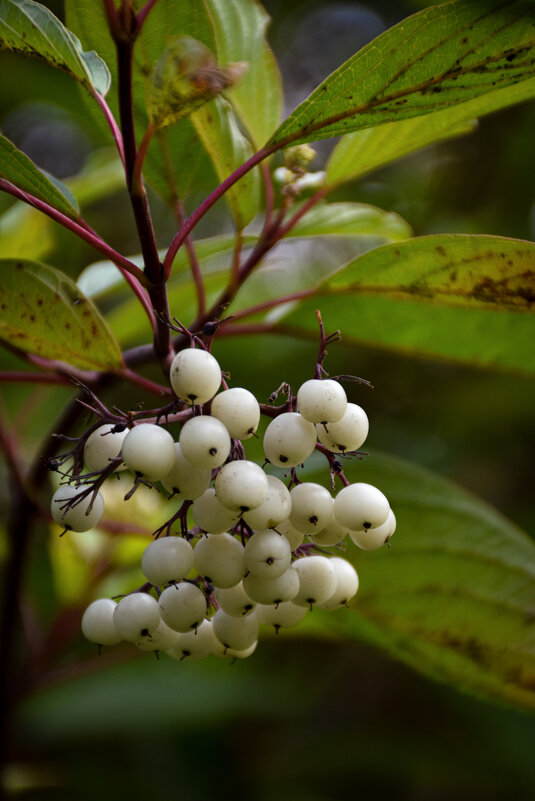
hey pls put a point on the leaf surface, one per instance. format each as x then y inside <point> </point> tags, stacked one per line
<point>454,596</point>
<point>351,219</point>
<point>44,313</point>
<point>19,170</point>
<point>361,152</point>
<point>440,57</point>
<point>451,296</point>
<point>31,29</point>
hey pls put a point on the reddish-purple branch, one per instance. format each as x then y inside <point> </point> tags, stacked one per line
<point>207,204</point>
<point>112,123</point>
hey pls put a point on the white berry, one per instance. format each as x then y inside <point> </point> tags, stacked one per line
<point>317,580</point>
<point>97,622</point>
<point>235,632</point>
<point>241,485</point>
<point>321,401</point>
<point>267,554</point>
<point>185,480</point>
<point>77,517</point>
<point>220,559</point>
<point>210,514</point>
<point>238,409</point>
<point>137,615</point>
<point>312,507</point>
<point>205,442</point>
<point>195,376</point>
<point>346,435</point>
<point>374,538</point>
<point>167,559</point>
<point>289,440</point>
<point>276,507</point>
<point>149,451</point>
<point>347,584</point>
<point>102,445</point>
<point>361,506</point>
<point>182,606</point>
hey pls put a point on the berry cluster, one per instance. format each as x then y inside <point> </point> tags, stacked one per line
<point>250,549</point>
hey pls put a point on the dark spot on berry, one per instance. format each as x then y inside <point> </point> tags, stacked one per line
<point>247,608</point>
<point>244,508</point>
<point>313,519</point>
<point>366,525</point>
<point>212,451</point>
<point>283,458</point>
<point>192,398</point>
<point>144,632</point>
<point>270,560</point>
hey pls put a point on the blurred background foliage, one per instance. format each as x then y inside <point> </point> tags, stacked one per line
<point>305,719</point>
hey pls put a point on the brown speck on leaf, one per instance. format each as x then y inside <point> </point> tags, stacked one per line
<point>453,276</point>
<point>397,252</point>
<point>67,326</point>
<point>464,40</point>
<point>39,301</point>
<point>94,329</point>
<point>440,250</point>
<point>32,318</point>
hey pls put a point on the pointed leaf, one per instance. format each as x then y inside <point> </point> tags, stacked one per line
<point>31,29</point>
<point>453,596</point>
<point>439,57</point>
<point>451,296</point>
<point>240,27</point>
<point>20,171</point>
<point>363,151</point>
<point>44,313</point>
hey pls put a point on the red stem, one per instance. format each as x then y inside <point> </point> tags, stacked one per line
<point>193,260</point>
<point>207,204</point>
<point>81,229</point>
<point>110,119</point>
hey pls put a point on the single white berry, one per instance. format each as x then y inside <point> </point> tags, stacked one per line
<point>136,615</point>
<point>272,591</point>
<point>149,451</point>
<point>185,480</point>
<point>205,442</point>
<point>289,440</point>
<point>321,400</point>
<point>347,584</point>
<point>102,445</point>
<point>241,485</point>
<point>312,507</point>
<point>195,376</point>
<point>239,410</point>
<point>220,560</point>
<point>235,632</point>
<point>332,534</point>
<point>210,515</point>
<point>223,652</point>
<point>267,554</point>
<point>77,517</point>
<point>97,622</point>
<point>234,601</point>
<point>374,538</point>
<point>284,615</point>
<point>346,435</point>
<point>182,606</point>
<point>196,644</point>
<point>276,507</point>
<point>167,559</point>
<point>317,580</point>
<point>361,506</point>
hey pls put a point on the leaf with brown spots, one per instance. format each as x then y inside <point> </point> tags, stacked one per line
<point>440,57</point>
<point>454,596</point>
<point>44,313</point>
<point>452,296</point>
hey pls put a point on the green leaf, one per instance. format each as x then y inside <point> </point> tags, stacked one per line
<point>240,27</point>
<point>25,233</point>
<point>453,269</point>
<point>453,597</point>
<point>351,219</point>
<point>228,149</point>
<point>363,151</point>
<point>31,29</point>
<point>20,171</point>
<point>449,296</point>
<point>44,313</point>
<point>439,57</point>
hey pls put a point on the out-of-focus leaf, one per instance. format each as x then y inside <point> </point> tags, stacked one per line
<point>239,27</point>
<point>351,219</point>
<point>454,596</point>
<point>19,170</point>
<point>185,77</point>
<point>25,233</point>
<point>228,149</point>
<point>102,175</point>
<point>31,29</point>
<point>43,312</point>
<point>451,296</point>
<point>439,57</point>
<point>363,151</point>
